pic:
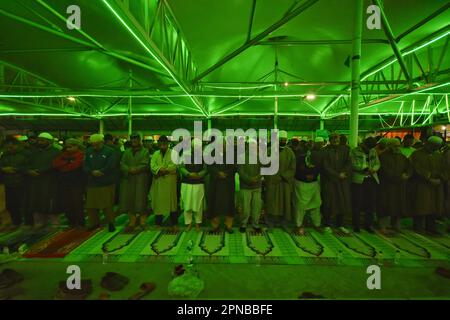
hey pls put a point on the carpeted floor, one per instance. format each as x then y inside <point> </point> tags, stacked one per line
<point>240,281</point>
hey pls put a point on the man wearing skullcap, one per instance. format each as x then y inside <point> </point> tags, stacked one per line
<point>381,145</point>
<point>12,164</point>
<point>395,173</point>
<point>163,192</point>
<point>221,190</point>
<point>41,190</point>
<point>407,145</point>
<point>250,183</point>
<point>428,192</point>
<point>71,182</point>
<point>192,186</point>
<point>100,165</point>
<point>135,168</point>
<point>365,166</point>
<point>306,189</point>
<point>279,187</point>
<point>335,183</point>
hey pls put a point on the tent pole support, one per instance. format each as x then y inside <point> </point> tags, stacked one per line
<point>130,111</point>
<point>101,126</point>
<point>356,58</point>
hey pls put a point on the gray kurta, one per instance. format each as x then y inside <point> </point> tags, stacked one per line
<point>279,187</point>
<point>134,187</point>
<point>163,193</point>
<point>428,199</point>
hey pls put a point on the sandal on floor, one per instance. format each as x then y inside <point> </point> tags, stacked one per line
<point>146,288</point>
<point>65,293</point>
<point>9,277</point>
<point>310,295</point>
<point>104,296</point>
<point>443,272</point>
<point>113,281</point>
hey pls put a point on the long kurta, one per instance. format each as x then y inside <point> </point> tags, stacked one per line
<point>221,190</point>
<point>336,198</point>
<point>134,187</point>
<point>163,193</point>
<point>279,187</point>
<point>428,199</point>
<point>393,192</point>
<point>446,170</point>
<point>41,190</point>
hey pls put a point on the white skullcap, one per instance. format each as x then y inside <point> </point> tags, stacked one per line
<point>282,134</point>
<point>435,140</point>
<point>46,135</point>
<point>96,137</point>
<point>319,139</point>
<point>22,138</point>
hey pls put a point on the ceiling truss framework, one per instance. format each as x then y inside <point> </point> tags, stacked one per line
<point>420,69</point>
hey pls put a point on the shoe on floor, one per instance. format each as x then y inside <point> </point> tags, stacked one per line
<point>327,230</point>
<point>242,229</point>
<point>344,230</point>
<point>111,227</point>
<point>229,230</point>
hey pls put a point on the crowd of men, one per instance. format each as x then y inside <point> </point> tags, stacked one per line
<point>384,180</point>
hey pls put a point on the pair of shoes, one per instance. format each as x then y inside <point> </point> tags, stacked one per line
<point>327,230</point>
<point>257,229</point>
<point>434,232</point>
<point>242,229</point>
<point>197,227</point>
<point>344,230</point>
<point>299,231</point>
<point>229,230</point>
<point>111,227</point>
<point>188,227</point>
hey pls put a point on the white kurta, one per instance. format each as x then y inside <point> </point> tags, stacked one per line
<point>163,192</point>
<point>192,197</point>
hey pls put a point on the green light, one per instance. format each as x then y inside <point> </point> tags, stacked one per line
<point>15,114</point>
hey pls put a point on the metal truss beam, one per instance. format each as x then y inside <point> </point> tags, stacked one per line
<point>317,42</point>
<point>388,74</point>
<point>85,44</point>
<point>30,83</point>
<point>289,16</point>
<point>390,35</point>
<point>162,39</point>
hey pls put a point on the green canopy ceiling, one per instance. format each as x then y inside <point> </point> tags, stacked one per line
<point>221,59</point>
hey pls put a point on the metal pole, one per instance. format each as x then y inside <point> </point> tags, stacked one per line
<point>322,124</point>
<point>101,128</point>
<point>130,118</point>
<point>356,58</point>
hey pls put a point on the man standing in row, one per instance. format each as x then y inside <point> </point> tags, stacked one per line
<point>41,186</point>
<point>365,165</point>
<point>100,165</point>
<point>163,192</point>
<point>279,186</point>
<point>12,164</point>
<point>134,166</point>
<point>335,183</point>
<point>428,190</point>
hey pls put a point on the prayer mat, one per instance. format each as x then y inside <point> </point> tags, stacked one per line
<point>59,245</point>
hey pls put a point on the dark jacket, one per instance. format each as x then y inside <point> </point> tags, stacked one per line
<point>18,161</point>
<point>104,160</point>
<point>303,169</point>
